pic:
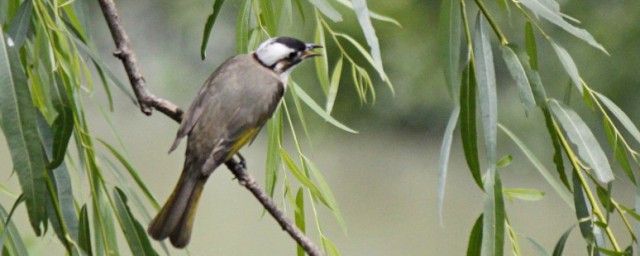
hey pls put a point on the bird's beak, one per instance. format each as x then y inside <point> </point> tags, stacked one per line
<point>308,53</point>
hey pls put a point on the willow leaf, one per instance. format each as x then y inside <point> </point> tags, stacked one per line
<point>362,13</point>
<point>208,27</point>
<point>486,81</point>
<point>325,8</point>
<point>299,217</point>
<point>133,231</point>
<point>580,135</point>
<point>20,130</point>
<point>621,116</point>
<point>474,247</point>
<point>335,83</point>
<point>450,42</point>
<point>274,160</point>
<point>569,65</point>
<point>445,151</point>
<point>519,75</point>
<point>523,194</point>
<point>84,231</point>
<point>316,108</point>
<point>583,212</point>
<point>468,129</point>
<point>550,10</point>
<point>373,15</point>
<point>19,27</point>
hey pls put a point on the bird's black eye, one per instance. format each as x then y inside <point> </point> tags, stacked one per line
<point>292,55</point>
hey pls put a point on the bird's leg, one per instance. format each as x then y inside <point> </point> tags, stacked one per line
<point>242,163</point>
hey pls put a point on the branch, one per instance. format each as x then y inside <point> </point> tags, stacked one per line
<point>124,52</point>
<point>249,182</point>
<point>147,101</point>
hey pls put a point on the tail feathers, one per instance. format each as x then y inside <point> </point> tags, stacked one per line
<point>181,234</point>
<point>175,219</point>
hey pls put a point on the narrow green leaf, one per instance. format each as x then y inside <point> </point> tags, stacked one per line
<point>519,76</point>
<point>325,8</point>
<point>450,42</point>
<point>489,235</point>
<point>299,217</point>
<point>559,248</point>
<point>583,211</point>
<point>550,10</point>
<point>322,64</point>
<point>557,148</point>
<point>274,160</point>
<point>84,232</point>
<point>618,150</point>
<point>504,161</point>
<point>580,135</point>
<point>60,202</point>
<point>316,108</point>
<point>133,231</point>
<point>367,56</point>
<point>208,27</point>
<point>474,247</point>
<point>501,216</point>
<point>569,65</point>
<point>19,27</point>
<point>486,80</point>
<point>335,83</point>
<point>362,13</point>
<point>604,195</point>
<point>373,15</point>
<point>523,194</point>
<point>268,17</point>
<point>532,49</point>
<point>539,248</point>
<point>445,151</point>
<point>20,130</point>
<point>468,128</point>
<point>242,27</point>
<point>15,243</point>
<point>504,6</point>
<point>329,247</point>
<point>62,125</point>
<point>301,177</point>
<point>620,115</point>
<point>566,197</point>
<point>332,203</point>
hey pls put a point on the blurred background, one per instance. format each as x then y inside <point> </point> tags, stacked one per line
<point>384,177</point>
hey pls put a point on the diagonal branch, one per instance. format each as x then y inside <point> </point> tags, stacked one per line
<point>147,101</point>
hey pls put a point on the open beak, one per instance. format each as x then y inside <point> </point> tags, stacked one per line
<point>308,53</point>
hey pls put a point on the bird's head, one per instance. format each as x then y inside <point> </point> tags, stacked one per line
<point>281,54</point>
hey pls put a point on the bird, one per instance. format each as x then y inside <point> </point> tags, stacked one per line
<point>228,112</point>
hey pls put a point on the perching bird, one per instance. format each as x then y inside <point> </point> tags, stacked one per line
<point>232,106</point>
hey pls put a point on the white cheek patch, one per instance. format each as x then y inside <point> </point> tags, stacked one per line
<point>271,53</point>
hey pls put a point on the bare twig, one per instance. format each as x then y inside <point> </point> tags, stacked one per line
<point>249,182</point>
<point>147,101</point>
<point>124,52</point>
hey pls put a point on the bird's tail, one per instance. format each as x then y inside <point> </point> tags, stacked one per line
<point>175,219</point>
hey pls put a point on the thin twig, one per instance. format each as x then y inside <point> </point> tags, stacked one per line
<point>147,101</point>
<point>246,180</point>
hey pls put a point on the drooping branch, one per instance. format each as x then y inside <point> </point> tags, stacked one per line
<point>147,101</point>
